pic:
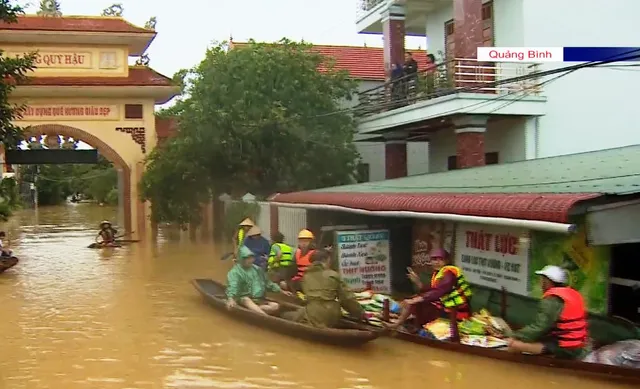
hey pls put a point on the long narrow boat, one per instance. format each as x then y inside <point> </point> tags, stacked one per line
<point>350,333</point>
<point>118,243</point>
<point>595,370</point>
<point>7,263</point>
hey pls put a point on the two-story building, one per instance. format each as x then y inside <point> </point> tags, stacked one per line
<point>366,65</point>
<point>467,111</point>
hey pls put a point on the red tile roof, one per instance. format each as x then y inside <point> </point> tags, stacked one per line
<point>138,76</point>
<point>362,63</point>
<point>526,206</point>
<point>105,24</point>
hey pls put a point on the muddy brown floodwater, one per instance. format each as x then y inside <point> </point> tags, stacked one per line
<point>73,317</point>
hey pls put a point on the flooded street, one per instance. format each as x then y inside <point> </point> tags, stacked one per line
<point>73,317</point>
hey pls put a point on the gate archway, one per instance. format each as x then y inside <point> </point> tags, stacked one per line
<point>103,149</point>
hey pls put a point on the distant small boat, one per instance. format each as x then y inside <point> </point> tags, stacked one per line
<point>117,244</point>
<point>7,263</point>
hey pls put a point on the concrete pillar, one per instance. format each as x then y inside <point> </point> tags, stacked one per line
<point>468,36</point>
<point>395,157</point>
<point>393,31</point>
<point>274,222</point>
<point>206,227</point>
<point>467,15</point>
<point>470,130</point>
<point>121,203</point>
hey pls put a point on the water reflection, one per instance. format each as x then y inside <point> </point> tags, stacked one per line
<point>128,318</point>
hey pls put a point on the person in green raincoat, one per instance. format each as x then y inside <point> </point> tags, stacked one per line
<point>325,294</point>
<point>247,285</point>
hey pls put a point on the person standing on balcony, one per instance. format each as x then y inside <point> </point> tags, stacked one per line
<point>397,83</point>
<point>431,73</point>
<point>410,73</point>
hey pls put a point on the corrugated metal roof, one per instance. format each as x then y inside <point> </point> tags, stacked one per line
<point>611,171</point>
<point>552,207</point>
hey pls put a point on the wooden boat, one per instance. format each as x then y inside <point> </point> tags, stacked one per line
<point>595,370</point>
<point>7,263</point>
<point>350,333</point>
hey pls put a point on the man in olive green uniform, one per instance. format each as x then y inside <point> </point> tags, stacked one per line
<point>325,294</point>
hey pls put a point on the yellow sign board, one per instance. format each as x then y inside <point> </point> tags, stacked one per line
<point>70,112</point>
<point>60,60</point>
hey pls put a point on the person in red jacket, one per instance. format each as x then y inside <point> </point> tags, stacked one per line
<point>561,327</point>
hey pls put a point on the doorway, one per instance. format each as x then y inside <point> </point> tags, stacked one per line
<point>624,282</point>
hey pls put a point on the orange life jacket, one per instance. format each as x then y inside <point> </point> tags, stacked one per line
<point>458,297</point>
<point>571,329</point>
<point>303,262</point>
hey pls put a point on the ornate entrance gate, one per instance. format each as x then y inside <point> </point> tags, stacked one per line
<point>84,89</point>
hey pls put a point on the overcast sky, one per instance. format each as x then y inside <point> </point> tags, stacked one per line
<point>185,28</point>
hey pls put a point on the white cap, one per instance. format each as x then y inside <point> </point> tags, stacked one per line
<point>554,273</point>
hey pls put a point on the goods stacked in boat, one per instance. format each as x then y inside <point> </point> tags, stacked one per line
<point>481,330</point>
<point>372,303</point>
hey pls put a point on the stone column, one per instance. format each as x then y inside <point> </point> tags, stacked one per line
<point>121,202</point>
<point>470,130</point>
<point>393,36</point>
<point>468,26</point>
<point>274,222</point>
<point>395,157</point>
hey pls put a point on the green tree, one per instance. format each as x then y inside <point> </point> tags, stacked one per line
<point>13,70</point>
<point>113,10</point>
<point>55,183</point>
<point>259,118</point>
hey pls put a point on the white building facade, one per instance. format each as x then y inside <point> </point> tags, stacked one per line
<point>468,115</point>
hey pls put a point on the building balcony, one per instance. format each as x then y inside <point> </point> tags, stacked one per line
<point>461,86</point>
<point>369,14</point>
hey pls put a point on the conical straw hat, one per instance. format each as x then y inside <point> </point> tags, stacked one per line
<point>255,230</point>
<point>247,223</point>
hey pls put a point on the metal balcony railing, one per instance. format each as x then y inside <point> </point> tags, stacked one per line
<point>451,77</point>
<point>365,6</point>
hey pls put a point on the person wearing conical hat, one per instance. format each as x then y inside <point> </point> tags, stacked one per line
<point>107,234</point>
<point>241,233</point>
<point>259,245</point>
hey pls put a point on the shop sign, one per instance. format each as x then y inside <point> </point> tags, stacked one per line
<point>363,257</point>
<point>70,112</point>
<point>429,235</point>
<point>493,257</point>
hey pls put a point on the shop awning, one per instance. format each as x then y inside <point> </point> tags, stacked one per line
<point>614,223</point>
<point>544,211</point>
